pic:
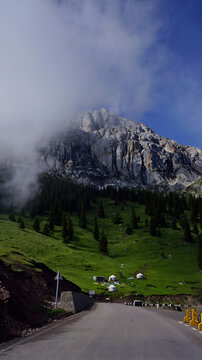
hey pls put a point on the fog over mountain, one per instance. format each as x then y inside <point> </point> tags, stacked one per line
<point>59,58</point>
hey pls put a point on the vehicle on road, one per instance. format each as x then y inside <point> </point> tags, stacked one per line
<point>137,303</point>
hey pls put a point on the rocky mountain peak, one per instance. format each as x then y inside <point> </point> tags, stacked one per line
<point>95,120</point>
<point>103,149</point>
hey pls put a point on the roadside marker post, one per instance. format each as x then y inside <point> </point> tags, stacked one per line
<point>91,293</point>
<point>194,320</point>
<point>200,324</point>
<point>187,318</point>
<point>58,277</point>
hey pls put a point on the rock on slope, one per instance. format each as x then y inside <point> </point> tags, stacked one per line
<point>100,149</point>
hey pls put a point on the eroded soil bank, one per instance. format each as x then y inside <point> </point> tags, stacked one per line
<point>26,292</point>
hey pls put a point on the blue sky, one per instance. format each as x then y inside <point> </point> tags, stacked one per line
<point>139,58</point>
<point>181,37</point>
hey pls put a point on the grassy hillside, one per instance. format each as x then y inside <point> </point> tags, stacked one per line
<point>168,263</point>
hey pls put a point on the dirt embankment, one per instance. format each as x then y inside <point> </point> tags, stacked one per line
<point>25,294</point>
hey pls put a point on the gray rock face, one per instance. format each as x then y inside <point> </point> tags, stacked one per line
<point>103,149</point>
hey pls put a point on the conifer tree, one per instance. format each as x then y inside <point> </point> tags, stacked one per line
<point>21,224</point>
<point>96,229</point>
<point>187,233</point>
<point>117,219</point>
<point>173,224</point>
<point>51,219</point>
<point>183,221</point>
<point>161,220</point>
<point>82,218</point>
<point>101,212</point>
<point>70,229</point>
<point>12,217</point>
<point>46,229</point>
<point>158,233</point>
<point>199,251</point>
<point>103,243</point>
<point>36,224</point>
<point>195,228</point>
<point>129,229</point>
<point>57,212</point>
<point>152,226</point>
<point>64,229</point>
<point>134,219</point>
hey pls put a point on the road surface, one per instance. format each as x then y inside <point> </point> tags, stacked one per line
<point>111,332</point>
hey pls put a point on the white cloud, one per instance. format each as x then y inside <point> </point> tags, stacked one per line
<point>59,58</point>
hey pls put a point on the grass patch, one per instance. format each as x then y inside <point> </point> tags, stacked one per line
<point>168,263</point>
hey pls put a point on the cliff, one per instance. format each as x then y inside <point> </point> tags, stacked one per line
<point>99,148</point>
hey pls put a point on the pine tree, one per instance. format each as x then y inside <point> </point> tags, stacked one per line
<point>12,217</point>
<point>82,218</point>
<point>173,224</point>
<point>51,221</point>
<point>46,229</point>
<point>199,251</point>
<point>57,212</point>
<point>70,229</point>
<point>36,224</point>
<point>158,233</point>
<point>129,229</point>
<point>103,243</point>
<point>152,226</point>
<point>183,221</point>
<point>96,229</point>
<point>187,233</point>
<point>64,229</point>
<point>19,219</point>
<point>195,229</point>
<point>21,224</point>
<point>134,219</point>
<point>117,219</point>
<point>101,212</point>
<point>162,220</point>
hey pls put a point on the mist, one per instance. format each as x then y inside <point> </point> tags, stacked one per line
<point>59,58</point>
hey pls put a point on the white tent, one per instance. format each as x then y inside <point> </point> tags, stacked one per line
<point>112,278</point>
<point>140,276</point>
<point>112,288</point>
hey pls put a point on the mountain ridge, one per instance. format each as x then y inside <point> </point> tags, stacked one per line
<point>99,148</point>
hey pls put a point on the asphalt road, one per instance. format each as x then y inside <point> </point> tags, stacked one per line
<point>111,332</point>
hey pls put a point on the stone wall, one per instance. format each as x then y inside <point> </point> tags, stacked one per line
<point>74,302</point>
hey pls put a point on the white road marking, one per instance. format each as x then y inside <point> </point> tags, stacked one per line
<point>181,322</point>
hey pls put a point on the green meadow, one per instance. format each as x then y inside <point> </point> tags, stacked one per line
<point>168,263</point>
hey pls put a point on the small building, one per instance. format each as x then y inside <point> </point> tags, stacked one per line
<point>139,276</point>
<point>112,278</point>
<point>99,279</point>
<point>112,288</point>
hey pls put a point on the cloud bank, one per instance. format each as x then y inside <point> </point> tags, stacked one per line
<point>62,57</point>
<point>59,58</point>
